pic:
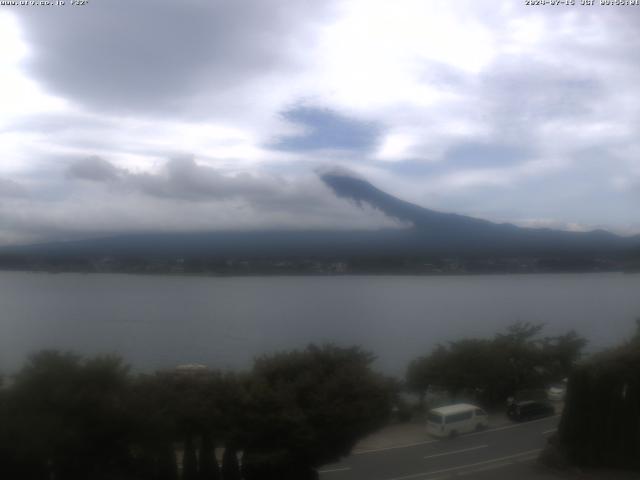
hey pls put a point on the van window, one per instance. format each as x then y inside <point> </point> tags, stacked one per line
<point>458,417</point>
<point>434,418</point>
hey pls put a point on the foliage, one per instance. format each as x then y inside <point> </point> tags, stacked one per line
<point>207,462</point>
<point>493,369</point>
<point>71,418</point>
<point>68,417</point>
<point>190,460</point>
<point>600,424</point>
<point>230,466</point>
<point>309,408</point>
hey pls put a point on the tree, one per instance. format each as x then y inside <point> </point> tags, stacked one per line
<point>230,465</point>
<point>600,425</point>
<point>561,353</point>
<point>189,460</point>
<point>70,418</point>
<point>428,371</point>
<point>165,466</point>
<point>153,405</point>
<point>635,340</point>
<point>209,469</point>
<point>308,408</point>
<point>490,370</point>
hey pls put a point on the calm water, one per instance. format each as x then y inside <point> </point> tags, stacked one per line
<point>156,321</point>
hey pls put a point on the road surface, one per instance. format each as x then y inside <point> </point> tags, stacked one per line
<point>505,452</point>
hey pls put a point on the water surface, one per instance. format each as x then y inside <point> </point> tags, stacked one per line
<point>163,321</point>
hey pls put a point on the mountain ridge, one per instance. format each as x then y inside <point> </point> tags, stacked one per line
<point>431,233</point>
<point>343,186</point>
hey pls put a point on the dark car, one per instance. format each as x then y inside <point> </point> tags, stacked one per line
<point>529,410</point>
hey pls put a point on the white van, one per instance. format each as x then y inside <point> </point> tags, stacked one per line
<point>453,420</point>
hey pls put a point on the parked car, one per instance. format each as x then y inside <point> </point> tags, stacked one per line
<point>529,410</point>
<point>557,392</point>
<point>453,420</point>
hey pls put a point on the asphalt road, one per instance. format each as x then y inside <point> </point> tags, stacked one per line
<point>505,452</point>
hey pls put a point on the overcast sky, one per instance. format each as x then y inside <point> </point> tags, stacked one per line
<point>197,115</point>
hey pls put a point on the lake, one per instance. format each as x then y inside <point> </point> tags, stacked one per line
<point>163,321</point>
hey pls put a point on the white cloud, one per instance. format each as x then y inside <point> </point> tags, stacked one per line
<point>19,94</point>
<point>180,195</point>
<point>111,83</point>
<point>396,146</point>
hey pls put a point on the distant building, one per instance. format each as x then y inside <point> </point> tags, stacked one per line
<point>191,368</point>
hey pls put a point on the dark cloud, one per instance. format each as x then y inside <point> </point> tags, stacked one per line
<point>95,169</point>
<point>326,129</point>
<point>153,55</point>
<point>185,179</point>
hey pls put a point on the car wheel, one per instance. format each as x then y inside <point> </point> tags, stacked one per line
<point>453,434</point>
<point>480,427</point>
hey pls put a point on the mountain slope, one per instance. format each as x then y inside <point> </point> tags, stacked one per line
<point>452,231</point>
<point>428,233</point>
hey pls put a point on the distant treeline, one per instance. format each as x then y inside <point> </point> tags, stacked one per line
<point>310,265</point>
